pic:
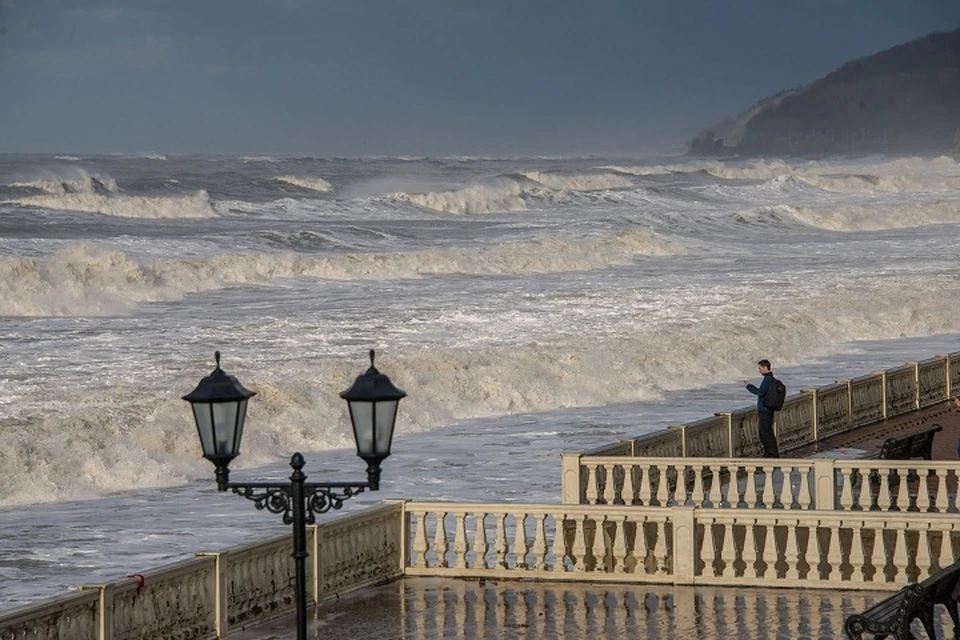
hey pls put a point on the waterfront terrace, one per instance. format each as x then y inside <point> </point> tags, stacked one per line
<point>681,531</point>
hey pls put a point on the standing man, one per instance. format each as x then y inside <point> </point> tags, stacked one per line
<point>767,437</point>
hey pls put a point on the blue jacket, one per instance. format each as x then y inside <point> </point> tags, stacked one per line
<point>762,391</point>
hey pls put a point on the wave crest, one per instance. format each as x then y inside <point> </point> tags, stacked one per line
<point>195,205</point>
<point>878,217</point>
<point>313,184</point>
<point>89,280</point>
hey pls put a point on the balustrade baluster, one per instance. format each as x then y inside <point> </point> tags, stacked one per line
<point>599,548</point>
<point>923,554</point>
<point>929,495</point>
<point>943,496</point>
<point>559,547</point>
<point>749,553</point>
<point>579,550</point>
<point>724,488</point>
<point>857,559</point>
<point>750,490</point>
<point>791,548</point>
<point>620,544</point>
<point>848,476</point>
<point>627,492</point>
<point>663,485</point>
<point>729,551</point>
<point>642,550</point>
<point>500,542</point>
<point>699,497</point>
<point>592,493</point>
<point>609,485</point>
<point>708,547</point>
<point>460,540</point>
<point>520,540</point>
<point>480,541</point>
<point>884,501</point>
<point>660,550</point>
<point>540,544</point>
<point>646,487</point>
<point>900,554</point>
<point>768,498</point>
<point>804,498</point>
<point>440,540</point>
<point>834,553</point>
<point>903,492</point>
<point>420,542</point>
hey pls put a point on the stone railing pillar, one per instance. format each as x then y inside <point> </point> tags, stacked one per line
<point>814,414</point>
<point>220,591</point>
<point>570,478</point>
<point>684,545</point>
<point>825,482</point>
<point>104,609</point>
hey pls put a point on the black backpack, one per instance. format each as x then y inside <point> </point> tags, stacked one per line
<point>775,395</point>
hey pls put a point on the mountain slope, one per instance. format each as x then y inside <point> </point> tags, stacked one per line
<point>905,99</point>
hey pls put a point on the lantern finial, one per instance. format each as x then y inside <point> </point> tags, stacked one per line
<point>216,356</point>
<point>372,354</point>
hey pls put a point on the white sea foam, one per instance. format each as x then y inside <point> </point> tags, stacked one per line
<point>196,205</point>
<point>313,184</point>
<point>113,443</point>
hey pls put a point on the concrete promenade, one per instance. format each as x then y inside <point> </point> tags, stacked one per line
<point>435,608</point>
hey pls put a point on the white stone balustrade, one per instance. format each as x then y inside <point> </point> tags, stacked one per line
<point>802,483</point>
<point>680,545</point>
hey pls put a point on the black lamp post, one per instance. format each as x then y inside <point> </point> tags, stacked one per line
<point>220,406</point>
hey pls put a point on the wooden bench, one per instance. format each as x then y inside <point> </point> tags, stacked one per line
<point>913,445</point>
<point>893,615</point>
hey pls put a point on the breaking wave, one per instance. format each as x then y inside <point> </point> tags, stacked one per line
<point>89,280</point>
<point>118,441</point>
<point>78,181</point>
<point>903,175</point>
<point>879,217</point>
<point>581,182</point>
<point>195,205</point>
<point>313,184</point>
<point>470,200</point>
<point>508,195</point>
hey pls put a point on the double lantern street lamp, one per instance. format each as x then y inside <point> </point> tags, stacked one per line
<point>220,407</point>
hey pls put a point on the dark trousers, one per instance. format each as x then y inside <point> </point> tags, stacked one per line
<point>767,438</point>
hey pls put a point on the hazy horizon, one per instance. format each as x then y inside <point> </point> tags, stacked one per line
<point>422,78</point>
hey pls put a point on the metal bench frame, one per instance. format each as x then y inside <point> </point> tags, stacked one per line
<point>893,615</point>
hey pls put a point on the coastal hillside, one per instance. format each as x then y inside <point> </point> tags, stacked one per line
<point>905,99</point>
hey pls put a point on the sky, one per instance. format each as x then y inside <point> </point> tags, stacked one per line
<point>416,77</point>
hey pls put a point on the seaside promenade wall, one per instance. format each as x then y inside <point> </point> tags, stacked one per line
<point>216,593</point>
